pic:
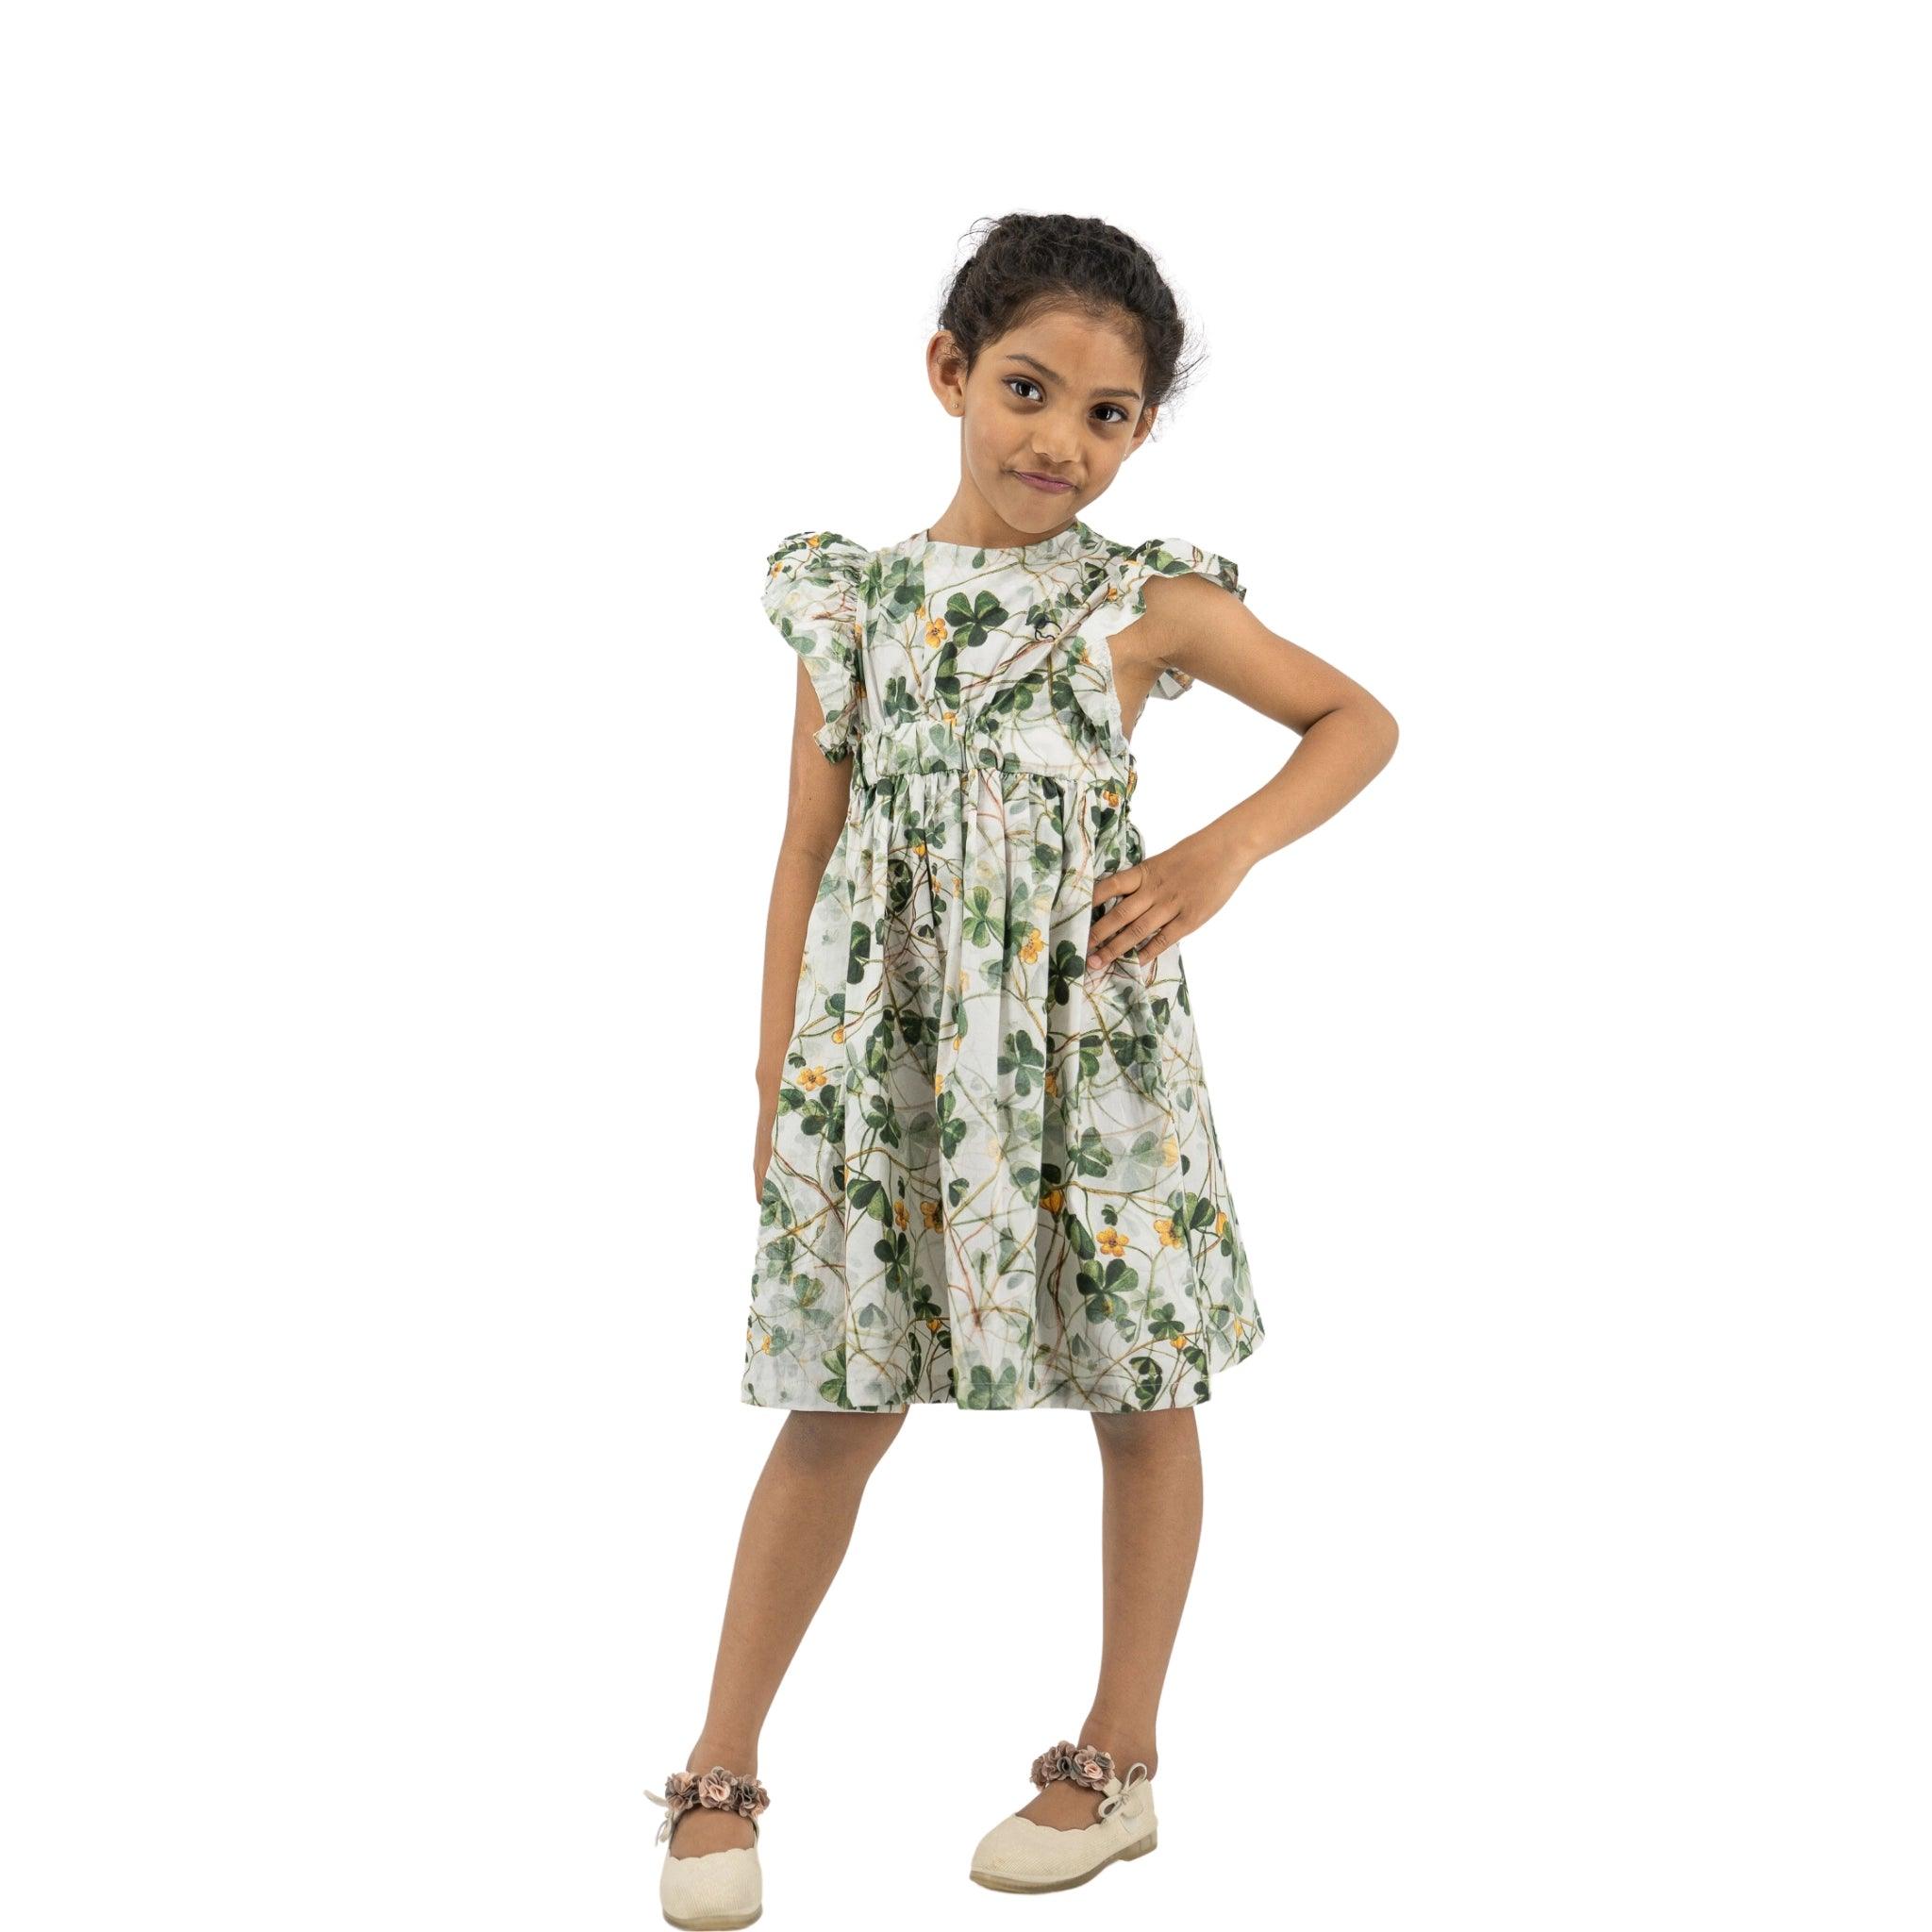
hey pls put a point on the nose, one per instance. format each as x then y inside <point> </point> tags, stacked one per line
<point>1056,442</point>
<point>1052,453</point>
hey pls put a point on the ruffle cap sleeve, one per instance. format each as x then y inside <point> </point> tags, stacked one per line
<point>814,584</point>
<point>1164,556</point>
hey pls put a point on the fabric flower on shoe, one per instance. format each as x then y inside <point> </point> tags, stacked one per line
<point>1053,1763</point>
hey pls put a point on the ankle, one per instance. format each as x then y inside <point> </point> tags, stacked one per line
<point>1127,1744</point>
<point>734,1754</point>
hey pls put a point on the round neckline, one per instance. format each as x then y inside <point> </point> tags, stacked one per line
<point>1072,536</point>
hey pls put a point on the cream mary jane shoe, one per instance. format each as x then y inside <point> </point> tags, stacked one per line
<point>1019,1855</point>
<point>714,1892</point>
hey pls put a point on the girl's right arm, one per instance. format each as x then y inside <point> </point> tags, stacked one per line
<point>814,816</point>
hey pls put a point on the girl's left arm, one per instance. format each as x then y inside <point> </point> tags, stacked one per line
<point>1347,735</point>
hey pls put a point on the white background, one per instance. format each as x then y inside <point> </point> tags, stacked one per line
<point>400,402</point>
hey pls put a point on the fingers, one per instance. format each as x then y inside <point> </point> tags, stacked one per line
<point>1145,939</point>
<point>1142,909</point>
<point>1141,929</point>
<point>1104,929</point>
<point>1150,949</point>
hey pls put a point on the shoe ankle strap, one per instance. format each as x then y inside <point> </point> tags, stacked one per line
<point>1087,1765</point>
<point>717,1790</point>
<point>1080,1764</point>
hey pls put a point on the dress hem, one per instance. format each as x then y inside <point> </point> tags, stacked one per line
<point>820,1406</point>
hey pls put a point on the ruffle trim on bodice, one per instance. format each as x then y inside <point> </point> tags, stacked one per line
<point>817,589</point>
<point>1117,600</point>
<point>814,594</point>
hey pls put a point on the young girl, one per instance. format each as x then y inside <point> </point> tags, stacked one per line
<point>986,1165</point>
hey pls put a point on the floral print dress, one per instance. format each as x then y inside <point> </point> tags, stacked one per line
<point>994,1178</point>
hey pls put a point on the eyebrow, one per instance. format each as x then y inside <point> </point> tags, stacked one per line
<point>1033,362</point>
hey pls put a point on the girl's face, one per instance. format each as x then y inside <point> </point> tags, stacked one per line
<point>1057,399</point>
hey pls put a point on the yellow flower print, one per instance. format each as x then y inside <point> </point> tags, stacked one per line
<point>1170,1236</point>
<point>766,1344</point>
<point>1108,792</point>
<point>919,846</point>
<point>931,1211</point>
<point>898,1214</point>
<point>811,542</point>
<point>838,1036</point>
<point>1113,593</point>
<point>1170,1151</point>
<point>1032,946</point>
<point>1052,1082</point>
<point>1221,1224</point>
<point>1052,1199</point>
<point>1111,1242</point>
<point>812,1078</point>
<point>932,1321</point>
<point>936,632</point>
<point>938,1079</point>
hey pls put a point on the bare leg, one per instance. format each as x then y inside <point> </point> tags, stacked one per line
<point>1151,1528</point>
<point>796,1527</point>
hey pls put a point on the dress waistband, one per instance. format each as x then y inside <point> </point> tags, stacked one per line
<point>914,749</point>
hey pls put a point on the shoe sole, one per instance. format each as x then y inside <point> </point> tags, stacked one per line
<point>993,1882</point>
<point>715,1921</point>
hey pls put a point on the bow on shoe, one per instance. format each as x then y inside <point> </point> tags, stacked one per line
<point>1111,1803</point>
<point>672,1812</point>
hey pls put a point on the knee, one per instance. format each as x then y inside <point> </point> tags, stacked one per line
<point>1155,1435</point>
<point>839,1440</point>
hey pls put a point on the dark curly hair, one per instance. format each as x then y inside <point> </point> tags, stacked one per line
<point>1030,265</point>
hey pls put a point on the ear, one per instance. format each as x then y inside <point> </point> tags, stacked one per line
<point>945,370</point>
